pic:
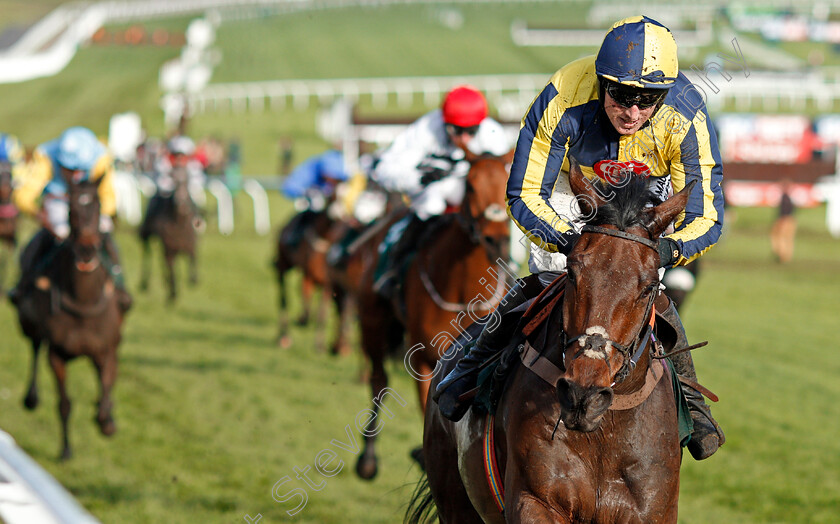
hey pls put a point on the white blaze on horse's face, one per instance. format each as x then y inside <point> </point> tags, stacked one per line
<point>85,199</point>
<point>495,213</point>
<point>591,353</point>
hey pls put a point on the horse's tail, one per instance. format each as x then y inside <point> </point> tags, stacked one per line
<point>421,507</point>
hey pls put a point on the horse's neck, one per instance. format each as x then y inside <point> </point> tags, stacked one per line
<point>455,263</point>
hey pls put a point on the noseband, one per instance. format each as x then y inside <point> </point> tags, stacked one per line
<point>599,343</point>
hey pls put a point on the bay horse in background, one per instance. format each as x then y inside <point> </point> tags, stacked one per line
<point>585,431</point>
<point>8,220</point>
<point>455,276</point>
<point>303,243</point>
<point>173,219</point>
<point>74,308</point>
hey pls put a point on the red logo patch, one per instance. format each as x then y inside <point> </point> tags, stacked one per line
<point>614,172</point>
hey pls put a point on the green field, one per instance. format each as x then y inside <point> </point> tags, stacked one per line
<point>211,415</point>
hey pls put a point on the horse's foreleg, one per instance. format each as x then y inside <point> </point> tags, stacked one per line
<point>307,288</point>
<point>60,371</point>
<point>106,366</point>
<point>367,466</point>
<point>345,305</point>
<point>324,301</point>
<point>169,257</point>
<point>423,369</point>
<point>283,339</point>
<point>30,401</point>
<point>145,270</point>
<point>193,268</point>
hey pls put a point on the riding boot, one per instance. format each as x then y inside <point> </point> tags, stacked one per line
<point>114,268</point>
<point>386,285</point>
<point>30,262</point>
<point>493,338</point>
<point>707,435</point>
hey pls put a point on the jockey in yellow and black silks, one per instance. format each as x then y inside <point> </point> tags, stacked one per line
<point>75,156</point>
<point>628,108</point>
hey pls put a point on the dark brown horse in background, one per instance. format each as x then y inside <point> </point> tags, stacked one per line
<point>596,440</point>
<point>451,279</point>
<point>8,220</point>
<point>316,232</point>
<point>172,218</point>
<point>74,309</point>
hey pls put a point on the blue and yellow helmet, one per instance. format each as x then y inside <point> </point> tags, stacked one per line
<point>10,149</point>
<point>639,52</point>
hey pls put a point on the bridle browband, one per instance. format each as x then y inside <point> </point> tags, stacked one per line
<point>644,331</point>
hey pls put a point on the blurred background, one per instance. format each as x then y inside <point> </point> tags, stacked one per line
<point>212,415</point>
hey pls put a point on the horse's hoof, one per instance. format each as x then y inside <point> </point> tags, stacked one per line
<point>107,427</point>
<point>340,350</point>
<point>417,455</point>
<point>284,342</point>
<point>302,321</point>
<point>366,468</point>
<point>30,402</point>
<point>66,454</point>
<point>144,286</point>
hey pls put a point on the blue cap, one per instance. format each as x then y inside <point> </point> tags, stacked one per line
<point>78,149</point>
<point>10,150</point>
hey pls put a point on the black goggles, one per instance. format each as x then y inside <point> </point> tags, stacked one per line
<point>631,96</point>
<point>452,129</point>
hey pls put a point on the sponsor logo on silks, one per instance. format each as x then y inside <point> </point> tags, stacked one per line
<point>614,172</point>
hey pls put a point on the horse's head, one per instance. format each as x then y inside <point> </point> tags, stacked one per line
<point>83,200</point>
<point>484,208</point>
<point>612,281</point>
<point>181,194</point>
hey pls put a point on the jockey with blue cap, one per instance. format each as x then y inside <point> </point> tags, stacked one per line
<point>312,185</point>
<point>626,109</point>
<point>75,156</point>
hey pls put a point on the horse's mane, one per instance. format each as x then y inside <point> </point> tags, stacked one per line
<point>624,209</point>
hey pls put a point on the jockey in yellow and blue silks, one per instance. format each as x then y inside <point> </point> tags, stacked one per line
<point>628,108</point>
<point>75,156</point>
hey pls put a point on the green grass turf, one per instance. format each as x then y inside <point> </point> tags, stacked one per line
<point>211,415</point>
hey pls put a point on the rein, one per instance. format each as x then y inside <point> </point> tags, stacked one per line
<point>457,307</point>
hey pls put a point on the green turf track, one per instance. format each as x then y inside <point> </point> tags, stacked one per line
<point>211,415</point>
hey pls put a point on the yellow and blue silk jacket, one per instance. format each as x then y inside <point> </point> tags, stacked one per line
<point>43,177</point>
<point>678,144</point>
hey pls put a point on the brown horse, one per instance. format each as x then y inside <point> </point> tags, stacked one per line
<point>585,431</point>
<point>315,232</point>
<point>453,278</point>
<point>8,220</point>
<point>74,308</point>
<point>172,218</point>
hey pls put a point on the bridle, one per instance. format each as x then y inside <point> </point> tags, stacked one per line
<point>596,342</point>
<point>493,213</point>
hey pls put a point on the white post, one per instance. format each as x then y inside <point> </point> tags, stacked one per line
<point>224,205</point>
<point>262,222</point>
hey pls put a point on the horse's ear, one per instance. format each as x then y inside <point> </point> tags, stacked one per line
<point>507,158</point>
<point>581,186</point>
<point>660,217</point>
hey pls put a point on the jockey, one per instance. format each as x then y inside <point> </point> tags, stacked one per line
<point>629,105</point>
<point>75,156</point>
<point>180,156</point>
<point>11,152</point>
<point>312,186</point>
<point>426,162</point>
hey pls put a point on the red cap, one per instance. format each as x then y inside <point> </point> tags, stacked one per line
<point>464,106</point>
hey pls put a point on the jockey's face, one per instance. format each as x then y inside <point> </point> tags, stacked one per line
<point>461,136</point>
<point>72,176</point>
<point>626,120</point>
<point>180,160</point>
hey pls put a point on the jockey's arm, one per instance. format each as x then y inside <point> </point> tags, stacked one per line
<point>27,196</point>
<point>302,178</point>
<point>397,169</point>
<point>698,158</point>
<point>540,154</point>
<point>104,168</point>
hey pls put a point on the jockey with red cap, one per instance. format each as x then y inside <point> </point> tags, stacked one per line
<point>426,162</point>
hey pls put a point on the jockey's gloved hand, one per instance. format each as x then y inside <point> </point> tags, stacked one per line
<point>432,174</point>
<point>669,252</point>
